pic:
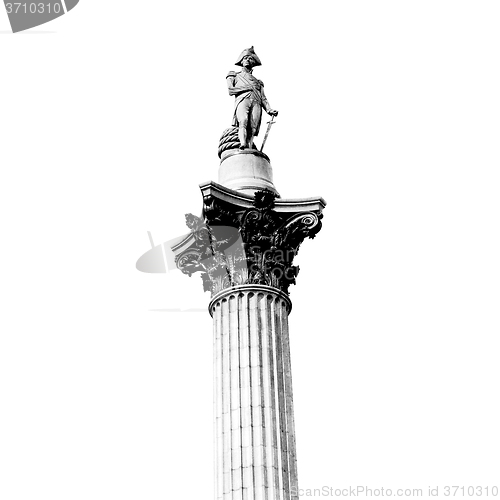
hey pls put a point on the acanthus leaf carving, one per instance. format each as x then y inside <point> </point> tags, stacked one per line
<point>232,246</point>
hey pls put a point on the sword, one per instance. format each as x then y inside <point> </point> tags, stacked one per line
<point>269,125</point>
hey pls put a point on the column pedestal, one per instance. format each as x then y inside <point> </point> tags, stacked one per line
<point>253,402</point>
<point>246,171</point>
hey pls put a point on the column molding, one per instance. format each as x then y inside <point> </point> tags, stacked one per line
<point>249,288</point>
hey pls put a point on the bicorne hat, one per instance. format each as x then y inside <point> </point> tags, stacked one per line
<point>249,52</point>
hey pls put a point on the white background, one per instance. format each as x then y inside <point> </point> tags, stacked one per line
<point>110,119</point>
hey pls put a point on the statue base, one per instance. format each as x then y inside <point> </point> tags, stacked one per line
<point>246,171</point>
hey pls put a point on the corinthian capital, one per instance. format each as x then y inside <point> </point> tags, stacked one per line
<point>247,240</point>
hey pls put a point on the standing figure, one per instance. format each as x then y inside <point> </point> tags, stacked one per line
<point>250,98</point>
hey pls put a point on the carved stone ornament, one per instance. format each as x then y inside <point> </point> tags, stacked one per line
<point>235,245</point>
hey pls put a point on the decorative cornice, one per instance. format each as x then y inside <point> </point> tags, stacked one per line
<point>215,190</point>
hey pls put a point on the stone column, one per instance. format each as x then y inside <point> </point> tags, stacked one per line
<point>243,247</point>
<point>254,423</point>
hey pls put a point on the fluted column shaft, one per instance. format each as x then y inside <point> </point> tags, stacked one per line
<point>255,454</point>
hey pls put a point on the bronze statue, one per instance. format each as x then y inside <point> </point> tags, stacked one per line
<point>250,98</point>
